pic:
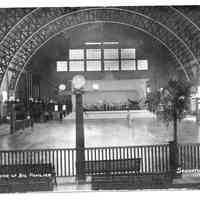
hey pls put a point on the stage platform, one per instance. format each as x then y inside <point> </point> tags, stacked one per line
<point>121,114</point>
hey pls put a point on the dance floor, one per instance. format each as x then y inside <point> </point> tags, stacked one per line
<point>143,130</point>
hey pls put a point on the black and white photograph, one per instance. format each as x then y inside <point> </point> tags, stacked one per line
<point>99,98</point>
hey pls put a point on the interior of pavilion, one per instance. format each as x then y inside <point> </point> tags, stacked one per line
<point>122,67</point>
<point>111,82</point>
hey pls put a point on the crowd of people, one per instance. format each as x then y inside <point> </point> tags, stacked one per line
<point>41,110</point>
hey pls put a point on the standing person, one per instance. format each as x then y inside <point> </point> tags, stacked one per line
<point>60,112</point>
<point>64,110</point>
<point>46,112</point>
<point>51,109</point>
<point>40,111</point>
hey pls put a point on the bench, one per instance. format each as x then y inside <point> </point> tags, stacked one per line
<point>132,181</point>
<point>27,177</point>
<point>112,166</point>
<point>124,174</point>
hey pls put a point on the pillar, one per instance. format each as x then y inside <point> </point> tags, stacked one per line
<point>198,95</point>
<point>80,142</point>
<point>12,118</point>
<point>174,159</point>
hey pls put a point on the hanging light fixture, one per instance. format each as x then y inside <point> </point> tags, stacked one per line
<point>62,87</point>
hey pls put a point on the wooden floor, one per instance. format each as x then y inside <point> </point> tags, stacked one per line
<point>98,132</point>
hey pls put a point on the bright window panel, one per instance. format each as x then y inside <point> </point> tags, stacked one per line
<point>128,53</point>
<point>75,54</point>
<point>94,65</point>
<point>111,65</point>
<point>142,64</point>
<point>76,66</point>
<point>93,53</point>
<point>61,66</point>
<point>111,54</point>
<point>128,65</point>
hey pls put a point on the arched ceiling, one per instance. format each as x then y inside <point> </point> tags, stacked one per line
<point>24,31</point>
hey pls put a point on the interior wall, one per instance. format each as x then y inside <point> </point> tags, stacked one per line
<point>114,91</point>
<point>43,62</point>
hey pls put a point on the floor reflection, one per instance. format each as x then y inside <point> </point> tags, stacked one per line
<point>101,132</point>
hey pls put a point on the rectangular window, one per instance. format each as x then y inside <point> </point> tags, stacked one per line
<point>90,59</point>
<point>142,64</point>
<point>76,66</point>
<point>61,66</point>
<point>93,65</point>
<point>111,54</point>
<point>111,65</point>
<point>76,54</point>
<point>128,65</point>
<point>128,53</point>
<point>93,53</point>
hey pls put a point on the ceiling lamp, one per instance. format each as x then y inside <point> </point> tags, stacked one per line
<point>62,87</point>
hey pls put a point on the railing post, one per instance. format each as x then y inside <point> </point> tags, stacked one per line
<point>173,159</point>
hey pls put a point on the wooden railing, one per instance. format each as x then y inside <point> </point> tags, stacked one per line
<point>62,159</point>
<point>189,156</point>
<point>153,158</point>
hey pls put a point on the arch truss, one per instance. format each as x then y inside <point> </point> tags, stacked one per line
<point>24,31</point>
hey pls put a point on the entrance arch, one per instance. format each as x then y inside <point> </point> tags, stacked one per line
<point>42,24</point>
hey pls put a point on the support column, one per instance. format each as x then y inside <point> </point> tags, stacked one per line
<point>174,159</point>
<point>12,118</point>
<point>80,143</point>
<point>29,85</point>
<point>198,95</point>
<point>198,110</point>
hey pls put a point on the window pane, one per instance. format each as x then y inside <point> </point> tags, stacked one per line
<point>76,66</point>
<point>94,65</point>
<point>142,64</point>
<point>76,54</point>
<point>93,53</point>
<point>111,65</point>
<point>128,65</point>
<point>128,53</point>
<point>61,66</point>
<point>111,54</point>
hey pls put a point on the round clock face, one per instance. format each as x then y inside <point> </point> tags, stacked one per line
<point>78,81</point>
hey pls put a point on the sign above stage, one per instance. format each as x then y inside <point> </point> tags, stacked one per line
<point>116,85</point>
<point>117,92</point>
